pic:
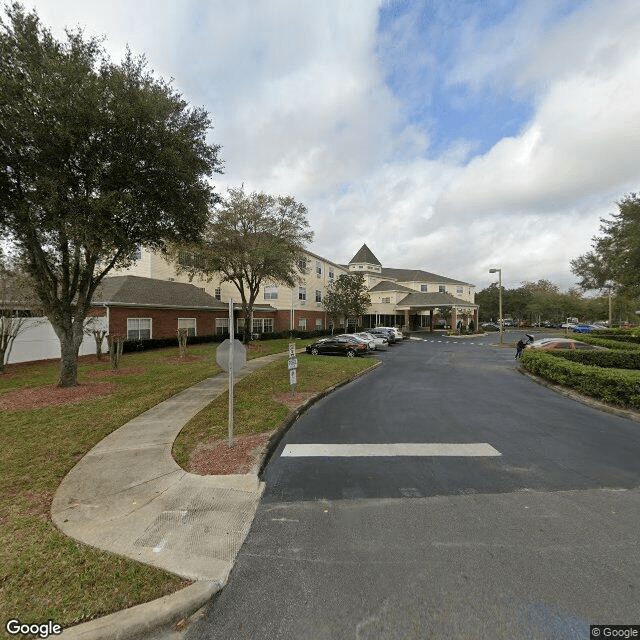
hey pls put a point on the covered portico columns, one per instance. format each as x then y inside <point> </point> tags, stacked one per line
<point>422,316</point>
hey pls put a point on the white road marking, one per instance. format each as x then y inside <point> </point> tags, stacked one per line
<point>416,449</point>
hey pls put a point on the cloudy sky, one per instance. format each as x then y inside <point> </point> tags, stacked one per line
<point>449,135</point>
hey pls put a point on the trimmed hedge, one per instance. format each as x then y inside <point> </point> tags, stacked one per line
<point>158,343</point>
<point>610,343</point>
<point>613,334</point>
<point>617,386</point>
<point>608,359</point>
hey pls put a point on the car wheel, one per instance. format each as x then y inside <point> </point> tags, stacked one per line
<point>314,352</point>
<point>351,353</point>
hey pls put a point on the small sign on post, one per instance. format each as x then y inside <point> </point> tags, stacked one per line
<point>231,355</point>
<point>292,365</point>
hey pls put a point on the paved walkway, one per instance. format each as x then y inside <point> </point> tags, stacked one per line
<point>128,495</point>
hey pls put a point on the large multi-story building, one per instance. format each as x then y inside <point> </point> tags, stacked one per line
<point>409,298</point>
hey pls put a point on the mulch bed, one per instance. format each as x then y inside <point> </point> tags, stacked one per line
<point>296,401</point>
<point>214,457</point>
<point>54,396</point>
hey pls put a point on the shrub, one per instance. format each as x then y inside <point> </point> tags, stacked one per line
<point>609,359</point>
<point>617,386</point>
<point>609,342</point>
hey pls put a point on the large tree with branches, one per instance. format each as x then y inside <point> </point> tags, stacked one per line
<point>614,260</point>
<point>96,159</point>
<point>251,238</point>
<point>347,296</point>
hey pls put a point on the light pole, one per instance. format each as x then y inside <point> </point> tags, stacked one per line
<point>499,272</point>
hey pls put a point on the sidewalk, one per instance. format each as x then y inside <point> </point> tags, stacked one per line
<point>128,496</point>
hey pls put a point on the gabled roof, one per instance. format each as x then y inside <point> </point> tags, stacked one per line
<point>418,299</point>
<point>135,291</point>
<point>387,285</point>
<point>417,275</point>
<point>365,255</point>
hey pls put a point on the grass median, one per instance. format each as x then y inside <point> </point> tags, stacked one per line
<point>258,406</point>
<point>43,574</point>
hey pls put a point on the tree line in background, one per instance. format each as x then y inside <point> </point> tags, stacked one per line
<point>534,302</point>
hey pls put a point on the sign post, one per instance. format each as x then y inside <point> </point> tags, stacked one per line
<point>231,340</point>
<point>293,366</point>
<point>232,356</point>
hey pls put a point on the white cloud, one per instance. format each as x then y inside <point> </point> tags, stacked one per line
<point>298,100</point>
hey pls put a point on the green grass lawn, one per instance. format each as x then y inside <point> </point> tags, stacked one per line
<point>45,575</point>
<point>255,410</point>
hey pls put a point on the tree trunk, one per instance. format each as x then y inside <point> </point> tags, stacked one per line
<point>69,346</point>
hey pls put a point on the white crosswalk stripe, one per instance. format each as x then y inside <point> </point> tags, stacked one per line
<point>414,449</point>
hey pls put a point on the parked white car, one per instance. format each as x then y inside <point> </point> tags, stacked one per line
<point>379,344</point>
<point>397,332</point>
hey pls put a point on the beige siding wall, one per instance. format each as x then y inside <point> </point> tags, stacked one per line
<point>154,265</point>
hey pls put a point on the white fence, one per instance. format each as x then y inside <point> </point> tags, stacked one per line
<point>38,341</point>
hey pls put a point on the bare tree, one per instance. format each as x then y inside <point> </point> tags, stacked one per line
<point>17,304</point>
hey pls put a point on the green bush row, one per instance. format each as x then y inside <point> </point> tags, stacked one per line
<point>158,343</point>
<point>619,335</point>
<point>615,359</point>
<point>617,386</point>
<point>610,343</point>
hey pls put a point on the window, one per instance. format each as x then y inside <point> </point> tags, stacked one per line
<point>217,293</point>
<point>332,273</point>
<point>302,264</point>
<point>318,324</point>
<point>189,324</point>
<point>138,328</point>
<point>262,325</point>
<point>318,295</point>
<point>386,300</point>
<point>423,288</point>
<point>442,288</point>
<point>271,293</point>
<point>222,326</point>
<point>302,293</point>
<point>302,323</point>
<point>459,289</point>
<point>137,254</point>
<point>318,269</point>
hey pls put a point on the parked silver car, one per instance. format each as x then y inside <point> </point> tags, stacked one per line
<point>397,332</point>
<point>375,342</point>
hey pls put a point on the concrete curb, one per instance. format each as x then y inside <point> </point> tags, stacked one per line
<point>139,621</point>
<point>630,414</point>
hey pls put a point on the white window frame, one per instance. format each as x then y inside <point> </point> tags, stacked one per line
<point>318,269</point>
<point>302,295</point>
<point>386,300</point>
<point>424,288</point>
<point>319,324</point>
<point>136,321</point>
<point>270,292</point>
<point>332,273</point>
<point>188,324</point>
<point>318,296</point>
<point>302,323</point>
<point>217,294</point>
<point>222,326</point>
<point>459,289</point>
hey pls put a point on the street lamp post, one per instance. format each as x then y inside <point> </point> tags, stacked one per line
<point>500,320</point>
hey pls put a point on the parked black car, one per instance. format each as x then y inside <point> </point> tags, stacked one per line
<point>338,346</point>
<point>383,333</point>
